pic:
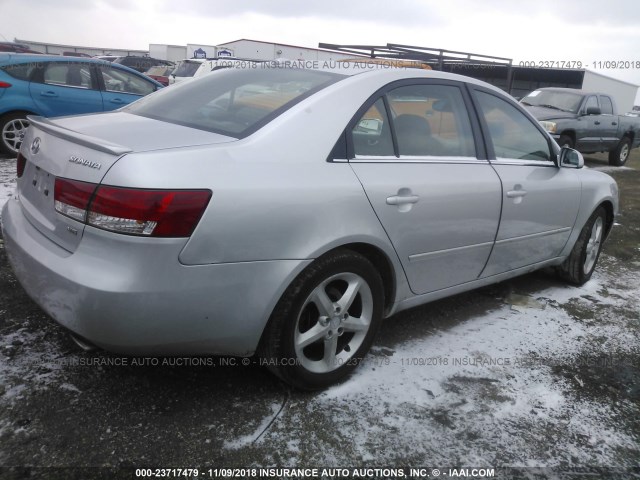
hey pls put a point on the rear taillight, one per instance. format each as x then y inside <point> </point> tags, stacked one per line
<point>4,85</point>
<point>71,198</point>
<point>153,213</point>
<point>21,162</point>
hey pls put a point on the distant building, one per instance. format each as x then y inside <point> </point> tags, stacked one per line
<point>514,79</point>
<point>58,49</point>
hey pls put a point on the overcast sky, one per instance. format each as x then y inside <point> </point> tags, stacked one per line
<point>582,30</point>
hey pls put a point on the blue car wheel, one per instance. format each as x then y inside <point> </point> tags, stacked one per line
<point>12,129</point>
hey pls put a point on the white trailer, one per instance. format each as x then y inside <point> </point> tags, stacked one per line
<point>173,53</point>
<point>623,93</point>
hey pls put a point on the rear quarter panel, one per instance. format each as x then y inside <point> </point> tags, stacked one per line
<point>275,195</point>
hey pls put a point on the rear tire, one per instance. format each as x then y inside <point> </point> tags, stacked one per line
<point>12,129</point>
<point>579,266</point>
<point>619,155</point>
<point>325,322</point>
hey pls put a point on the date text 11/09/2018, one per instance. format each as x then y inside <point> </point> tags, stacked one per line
<point>600,64</point>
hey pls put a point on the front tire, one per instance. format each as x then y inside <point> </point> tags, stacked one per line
<point>565,141</point>
<point>12,129</point>
<point>619,155</point>
<point>579,266</point>
<point>325,322</point>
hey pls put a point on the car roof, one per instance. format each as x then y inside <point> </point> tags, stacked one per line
<point>28,57</point>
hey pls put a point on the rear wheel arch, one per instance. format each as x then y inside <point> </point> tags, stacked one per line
<point>383,265</point>
<point>377,257</point>
<point>620,154</point>
<point>303,342</point>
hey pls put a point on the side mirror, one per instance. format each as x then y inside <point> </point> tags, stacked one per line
<point>571,158</point>
<point>593,111</point>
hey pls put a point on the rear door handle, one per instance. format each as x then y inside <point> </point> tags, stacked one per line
<point>48,94</point>
<point>402,200</point>
<point>516,193</point>
<point>614,123</point>
<point>117,100</point>
<point>597,122</point>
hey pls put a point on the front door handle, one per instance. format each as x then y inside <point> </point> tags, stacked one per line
<point>597,122</point>
<point>614,123</point>
<point>48,94</point>
<point>119,101</point>
<point>402,200</point>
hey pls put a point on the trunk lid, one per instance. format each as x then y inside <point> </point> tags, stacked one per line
<point>84,148</point>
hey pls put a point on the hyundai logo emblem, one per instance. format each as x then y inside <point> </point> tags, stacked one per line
<point>35,145</point>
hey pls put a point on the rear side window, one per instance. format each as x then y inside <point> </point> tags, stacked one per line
<point>68,74</point>
<point>20,71</point>
<point>606,105</point>
<point>233,102</point>
<point>372,133</point>
<point>431,120</point>
<point>513,135</point>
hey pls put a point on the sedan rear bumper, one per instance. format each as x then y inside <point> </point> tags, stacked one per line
<point>131,295</point>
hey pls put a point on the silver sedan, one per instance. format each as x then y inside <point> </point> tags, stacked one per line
<point>286,212</point>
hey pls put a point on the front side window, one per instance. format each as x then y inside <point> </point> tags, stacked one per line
<point>431,120</point>
<point>233,102</point>
<point>514,136</point>
<point>70,74</point>
<point>372,133</point>
<point>592,101</point>
<point>119,81</point>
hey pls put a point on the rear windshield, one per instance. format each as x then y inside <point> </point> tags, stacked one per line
<point>234,102</point>
<point>161,71</point>
<point>186,68</point>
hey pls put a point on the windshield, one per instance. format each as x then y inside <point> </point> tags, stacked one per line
<point>565,101</point>
<point>233,102</point>
<point>186,68</point>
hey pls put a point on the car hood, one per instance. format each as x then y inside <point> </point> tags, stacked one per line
<point>138,134</point>
<point>542,113</point>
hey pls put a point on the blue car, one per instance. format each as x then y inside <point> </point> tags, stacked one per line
<point>51,86</point>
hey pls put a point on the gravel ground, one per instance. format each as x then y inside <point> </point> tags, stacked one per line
<point>527,373</point>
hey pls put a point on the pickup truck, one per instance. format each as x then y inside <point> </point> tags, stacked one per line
<point>586,121</point>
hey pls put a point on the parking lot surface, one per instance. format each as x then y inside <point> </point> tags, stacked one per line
<point>529,373</point>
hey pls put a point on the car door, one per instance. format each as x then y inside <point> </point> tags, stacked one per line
<point>426,175</point>
<point>588,135</point>
<point>65,88</point>
<point>540,201</point>
<point>120,87</point>
<point>609,123</point>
